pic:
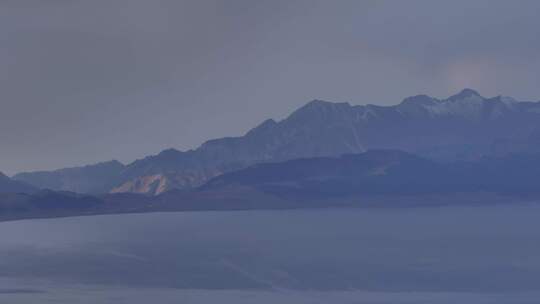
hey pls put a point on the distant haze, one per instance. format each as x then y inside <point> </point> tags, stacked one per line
<point>87,81</point>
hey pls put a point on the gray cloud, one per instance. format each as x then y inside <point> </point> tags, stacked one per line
<point>84,81</point>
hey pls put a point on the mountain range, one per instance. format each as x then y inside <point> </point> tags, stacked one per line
<point>98,178</point>
<point>8,185</point>
<point>386,172</point>
<point>465,126</point>
<point>376,178</point>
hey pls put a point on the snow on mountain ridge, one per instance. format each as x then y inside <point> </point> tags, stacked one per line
<point>468,107</point>
<point>468,104</point>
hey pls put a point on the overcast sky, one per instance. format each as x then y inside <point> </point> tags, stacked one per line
<point>88,81</point>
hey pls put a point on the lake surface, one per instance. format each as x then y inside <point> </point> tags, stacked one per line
<point>483,254</point>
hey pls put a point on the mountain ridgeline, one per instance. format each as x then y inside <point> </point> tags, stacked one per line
<point>386,173</point>
<point>465,126</point>
<point>8,185</point>
<point>376,178</point>
<point>98,178</point>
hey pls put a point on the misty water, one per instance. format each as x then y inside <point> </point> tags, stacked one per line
<point>480,254</point>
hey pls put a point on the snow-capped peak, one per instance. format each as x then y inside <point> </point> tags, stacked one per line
<point>468,104</point>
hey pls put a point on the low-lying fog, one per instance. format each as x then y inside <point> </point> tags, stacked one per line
<point>484,254</point>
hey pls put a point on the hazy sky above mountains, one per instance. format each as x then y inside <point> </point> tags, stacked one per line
<point>86,81</point>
